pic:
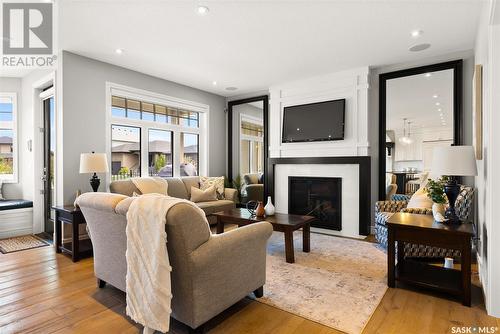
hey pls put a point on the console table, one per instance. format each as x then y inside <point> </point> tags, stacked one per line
<point>68,214</point>
<point>423,230</point>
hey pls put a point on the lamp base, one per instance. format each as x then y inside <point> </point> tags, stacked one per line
<point>451,189</point>
<point>95,182</point>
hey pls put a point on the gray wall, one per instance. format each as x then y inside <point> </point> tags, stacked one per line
<point>84,107</point>
<point>468,69</point>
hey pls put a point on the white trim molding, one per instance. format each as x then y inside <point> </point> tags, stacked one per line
<point>351,85</point>
<point>39,95</point>
<point>15,130</point>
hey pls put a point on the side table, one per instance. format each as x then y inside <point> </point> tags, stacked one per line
<point>68,214</point>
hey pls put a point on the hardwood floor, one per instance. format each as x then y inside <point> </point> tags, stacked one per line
<point>41,292</point>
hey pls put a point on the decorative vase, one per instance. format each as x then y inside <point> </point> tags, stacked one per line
<point>259,212</point>
<point>269,208</point>
<point>438,210</point>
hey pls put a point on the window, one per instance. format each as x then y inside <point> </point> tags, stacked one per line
<point>134,109</point>
<point>125,152</point>
<point>160,153</point>
<point>8,152</point>
<point>252,145</point>
<point>189,155</point>
<point>155,135</point>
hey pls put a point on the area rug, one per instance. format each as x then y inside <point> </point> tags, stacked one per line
<point>21,243</point>
<point>338,284</point>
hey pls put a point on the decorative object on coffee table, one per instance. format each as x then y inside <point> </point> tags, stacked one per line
<point>93,163</point>
<point>269,208</point>
<point>282,222</point>
<point>453,161</point>
<point>260,212</point>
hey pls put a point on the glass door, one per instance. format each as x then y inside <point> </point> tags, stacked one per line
<point>49,148</point>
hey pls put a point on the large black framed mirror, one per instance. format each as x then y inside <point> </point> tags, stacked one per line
<point>247,146</point>
<point>420,108</point>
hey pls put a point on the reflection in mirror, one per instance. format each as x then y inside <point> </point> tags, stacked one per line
<point>248,149</point>
<point>419,117</point>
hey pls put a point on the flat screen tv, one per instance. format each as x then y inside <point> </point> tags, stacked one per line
<point>321,121</point>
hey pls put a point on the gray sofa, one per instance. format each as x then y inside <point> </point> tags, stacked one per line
<point>209,272</point>
<point>180,187</point>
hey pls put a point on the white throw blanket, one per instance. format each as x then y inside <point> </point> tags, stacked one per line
<point>148,267</point>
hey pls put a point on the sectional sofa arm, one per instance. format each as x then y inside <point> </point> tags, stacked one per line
<point>390,206</point>
<point>242,246</point>
<point>231,194</point>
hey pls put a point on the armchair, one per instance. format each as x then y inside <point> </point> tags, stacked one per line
<point>253,188</point>
<point>385,209</point>
<point>209,272</point>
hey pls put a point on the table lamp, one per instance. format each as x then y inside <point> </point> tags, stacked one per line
<point>93,163</point>
<point>453,161</point>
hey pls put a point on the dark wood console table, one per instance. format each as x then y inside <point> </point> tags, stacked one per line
<point>77,248</point>
<point>422,229</point>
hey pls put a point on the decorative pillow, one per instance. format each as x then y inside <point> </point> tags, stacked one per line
<point>420,200</point>
<point>148,185</point>
<point>206,182</point>
<point>198,195</point>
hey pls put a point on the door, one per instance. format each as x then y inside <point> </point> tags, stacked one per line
<point>49,146</point>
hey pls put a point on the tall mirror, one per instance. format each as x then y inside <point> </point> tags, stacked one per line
<point>420,110</point>
<point>247,140</point>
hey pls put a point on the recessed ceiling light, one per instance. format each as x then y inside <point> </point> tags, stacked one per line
<point>203,10</point>
<point>231,88</point>
<point>416,33</point>
<point>119,51</point>
<point>214,83</point>
<point>428,75</point>
<point>438,104</point>
<point>435,96</point>
<point>419,47</point>
<point>439,109</point>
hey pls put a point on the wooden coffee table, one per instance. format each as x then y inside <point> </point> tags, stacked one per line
<point>281,222</point>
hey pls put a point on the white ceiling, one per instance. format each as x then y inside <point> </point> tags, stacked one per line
<point>413,98</point>
<point>255,44</point>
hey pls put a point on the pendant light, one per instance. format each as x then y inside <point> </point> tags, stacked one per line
<point>405,140</point>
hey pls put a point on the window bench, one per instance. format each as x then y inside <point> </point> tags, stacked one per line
<point>16,218</point>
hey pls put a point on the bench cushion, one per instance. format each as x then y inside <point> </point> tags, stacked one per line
<point>9,204</point>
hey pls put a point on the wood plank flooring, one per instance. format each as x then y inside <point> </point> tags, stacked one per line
<point>41,292</point>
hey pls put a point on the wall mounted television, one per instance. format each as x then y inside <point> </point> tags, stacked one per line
<point>321,121</point>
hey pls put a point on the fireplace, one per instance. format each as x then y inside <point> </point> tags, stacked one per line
<point>317,196</point>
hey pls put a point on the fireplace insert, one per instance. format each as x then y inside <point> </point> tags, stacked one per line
<point>320,197</point>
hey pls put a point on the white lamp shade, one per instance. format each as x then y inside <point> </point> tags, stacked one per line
<point>454,161</point>
<point>93,163</point>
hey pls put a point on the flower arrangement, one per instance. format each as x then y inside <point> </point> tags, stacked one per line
<point>435,190</point>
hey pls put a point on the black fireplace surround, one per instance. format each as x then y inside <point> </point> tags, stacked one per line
<point>364,188</point>
<point>320,197</point>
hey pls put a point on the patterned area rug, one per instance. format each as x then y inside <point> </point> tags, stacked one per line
<point>338,284</point>
<point>21,243</point>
